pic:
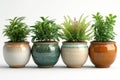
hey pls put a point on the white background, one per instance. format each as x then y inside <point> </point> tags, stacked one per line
<point>56,9</point>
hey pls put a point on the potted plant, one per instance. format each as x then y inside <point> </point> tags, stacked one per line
<point>45,49</point>
<point>75,50</point>
<point>103,50</point>
<point>16,51</point>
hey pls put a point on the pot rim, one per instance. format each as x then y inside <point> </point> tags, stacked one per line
<point>45,42</point>
<point>24,42</point>
<point>103,42</point>
<point>79,42</point>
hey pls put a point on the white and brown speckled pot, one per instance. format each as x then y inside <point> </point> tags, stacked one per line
<point>16,54</point>
<point>74,54</point>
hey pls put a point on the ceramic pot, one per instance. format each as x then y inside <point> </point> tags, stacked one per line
<point>45,54</point>
<point>74,54</point>
<point>16,54</point>
<point>102,54</point>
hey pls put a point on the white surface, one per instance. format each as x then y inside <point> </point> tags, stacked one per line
<point>32,9</point>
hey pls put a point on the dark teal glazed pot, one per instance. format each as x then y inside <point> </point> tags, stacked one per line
<point>45,54</point>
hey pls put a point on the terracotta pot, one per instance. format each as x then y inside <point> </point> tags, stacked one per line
<point>74,54</point>
<point>102,54</point>
<point>16,54</point>
<point>45,54</point>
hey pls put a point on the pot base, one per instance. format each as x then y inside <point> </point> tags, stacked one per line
<point>102,66</point>
<point>74,66</point>
<point>45,66</point>
<point>16,66</point>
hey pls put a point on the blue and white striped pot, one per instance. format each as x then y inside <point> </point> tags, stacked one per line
<point>74,54</point>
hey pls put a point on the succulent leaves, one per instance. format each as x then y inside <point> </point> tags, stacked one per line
<point>76,30</point>
<point>45,30</point>
<point>17,30</point>
<point>104,28</point>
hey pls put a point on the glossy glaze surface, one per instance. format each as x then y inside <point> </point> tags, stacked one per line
<point>102,54</point>
<point>74,54</point>
<point>16,54</point>
<point>45,54</point>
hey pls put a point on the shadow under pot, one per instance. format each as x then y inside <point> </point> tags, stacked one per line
<point>102,54</point>
<point>16,54</point>
<point>45,54</point>
<point>74,54</point>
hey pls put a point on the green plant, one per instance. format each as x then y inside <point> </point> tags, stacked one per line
<point>76,30</point>
<point>104,29</point>
<point>17,30</point>
<point>45,30</point>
